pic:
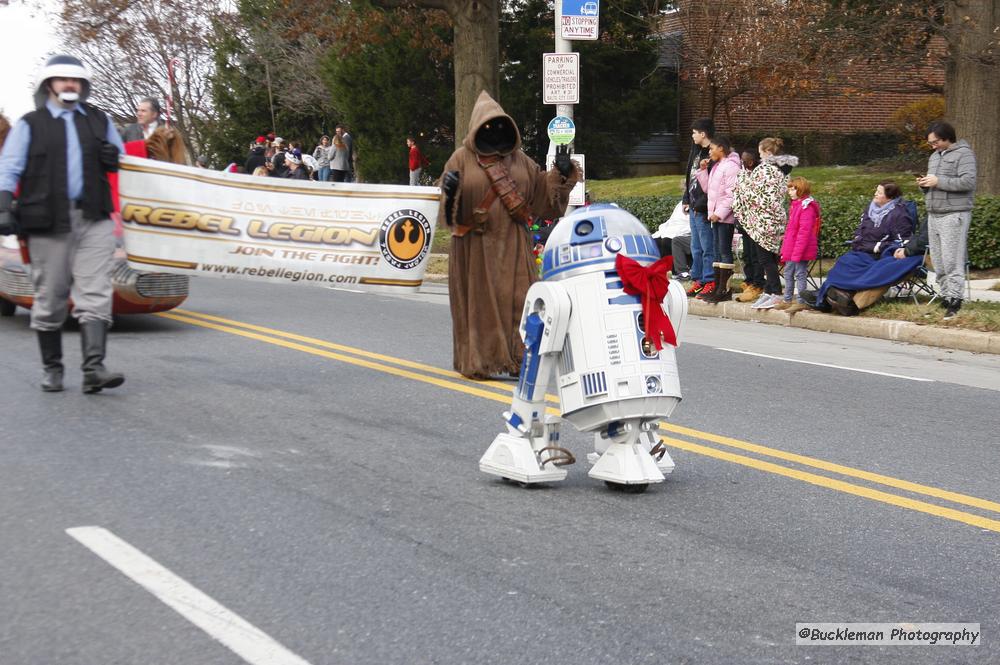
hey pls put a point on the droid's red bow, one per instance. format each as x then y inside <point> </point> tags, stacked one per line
<point>650,284</point>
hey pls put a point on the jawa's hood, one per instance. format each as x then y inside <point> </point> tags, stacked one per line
<point>491,131</point>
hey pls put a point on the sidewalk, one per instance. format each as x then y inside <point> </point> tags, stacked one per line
<point>897,331</point>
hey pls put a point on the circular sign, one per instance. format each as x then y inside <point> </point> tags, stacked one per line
<point>562,130</point>
<point>405,238</point>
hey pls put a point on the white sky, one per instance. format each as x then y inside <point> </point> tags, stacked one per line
<point>26,42</point>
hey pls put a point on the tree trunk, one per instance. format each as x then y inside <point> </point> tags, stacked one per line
<point>476,56</point>
<point>972,85</point>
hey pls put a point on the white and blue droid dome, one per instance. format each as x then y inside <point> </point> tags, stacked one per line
<point>590,238</point>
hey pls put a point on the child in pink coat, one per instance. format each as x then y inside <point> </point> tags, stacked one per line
<point>801,242</point>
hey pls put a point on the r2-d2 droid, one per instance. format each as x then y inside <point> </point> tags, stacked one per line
<point>580,325</point>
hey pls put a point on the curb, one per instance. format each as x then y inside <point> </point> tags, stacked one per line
<point>896,331</point>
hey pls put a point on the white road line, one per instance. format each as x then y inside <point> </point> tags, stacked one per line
<point>248,642</point>
<point>807,362</point>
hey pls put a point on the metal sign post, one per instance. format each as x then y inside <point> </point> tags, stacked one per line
<point>562,62</point>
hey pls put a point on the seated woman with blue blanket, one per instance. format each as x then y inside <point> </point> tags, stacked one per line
<point>862,275</point>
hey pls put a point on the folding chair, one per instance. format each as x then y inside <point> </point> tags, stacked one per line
<point>914,285</point>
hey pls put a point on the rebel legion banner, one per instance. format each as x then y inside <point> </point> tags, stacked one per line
<point>198,222</point>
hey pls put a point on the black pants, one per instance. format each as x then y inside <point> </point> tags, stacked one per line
<point>753,268</point>
<point>680,250</point>
<point>769,266</point>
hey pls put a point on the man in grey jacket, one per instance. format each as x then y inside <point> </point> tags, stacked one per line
<point>949,188</point>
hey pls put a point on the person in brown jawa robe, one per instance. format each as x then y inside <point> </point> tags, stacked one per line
<point>491,264</point>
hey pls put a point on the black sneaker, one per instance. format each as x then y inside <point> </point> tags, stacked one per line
<point>953,306</point>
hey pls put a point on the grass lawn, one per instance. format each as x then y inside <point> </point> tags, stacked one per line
<point>825,180</point>
<point>984,316</point>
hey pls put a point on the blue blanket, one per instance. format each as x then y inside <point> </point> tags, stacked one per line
<point>856,271</point>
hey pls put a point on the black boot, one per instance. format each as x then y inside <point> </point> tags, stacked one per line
<point>724,275</point>
<point>953,306</point>
<point>50,343</point>
<point>93,341</point>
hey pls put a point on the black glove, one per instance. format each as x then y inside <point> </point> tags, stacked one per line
<point>109,156</point>
<point>563,162</point>
<point>449,185</point>
<point>8,225</point>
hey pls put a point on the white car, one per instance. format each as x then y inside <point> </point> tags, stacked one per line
<point>589,9</point>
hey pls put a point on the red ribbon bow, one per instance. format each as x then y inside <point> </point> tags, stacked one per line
<point>650,284</point>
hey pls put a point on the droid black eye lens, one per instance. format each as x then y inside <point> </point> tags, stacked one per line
<point>584,228</point>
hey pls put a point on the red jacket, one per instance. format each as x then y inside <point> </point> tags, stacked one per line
<point>802,231</point>
<point>417,159</point>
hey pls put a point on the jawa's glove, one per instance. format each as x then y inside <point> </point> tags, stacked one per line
<point>8,225</point>
<point>449,185</point>
<point>563,163</point>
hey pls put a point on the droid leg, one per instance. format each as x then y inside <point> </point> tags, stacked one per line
<point>529,451</point>
<point>626,459</point>
<point>648,438</point>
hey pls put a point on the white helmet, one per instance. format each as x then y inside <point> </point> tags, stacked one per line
<point>61,66</point>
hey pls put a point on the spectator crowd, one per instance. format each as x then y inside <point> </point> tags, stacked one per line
<point>779,222</point>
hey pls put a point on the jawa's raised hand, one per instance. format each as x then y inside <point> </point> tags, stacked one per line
<point>449,185</point>
<point>563,162</point>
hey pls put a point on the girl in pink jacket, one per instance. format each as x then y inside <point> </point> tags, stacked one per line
<point>801,241</point>
<point>719,185</point>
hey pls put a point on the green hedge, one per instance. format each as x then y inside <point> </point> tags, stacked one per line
<point>841,215</point>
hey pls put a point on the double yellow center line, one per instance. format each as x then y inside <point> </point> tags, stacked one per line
<point>501,392</point>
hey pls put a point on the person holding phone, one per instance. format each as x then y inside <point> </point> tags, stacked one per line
<point>949,189</point>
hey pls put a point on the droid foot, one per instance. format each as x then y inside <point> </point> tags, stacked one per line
<point>513,458</point>
<point>626,464</point>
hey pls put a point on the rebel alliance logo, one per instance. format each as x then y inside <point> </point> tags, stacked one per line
<point>405,238</point>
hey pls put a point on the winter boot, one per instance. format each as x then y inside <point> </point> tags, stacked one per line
<point>750,293</point>
<point>50,343</point>
<point>722,277</point>
<point>93,340</point>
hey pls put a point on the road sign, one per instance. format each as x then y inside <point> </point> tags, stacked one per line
<point>562,130</point>
<point>560,78</point>
<point>579,19</point>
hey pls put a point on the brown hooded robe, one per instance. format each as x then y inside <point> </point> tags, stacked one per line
<point>491,267</point>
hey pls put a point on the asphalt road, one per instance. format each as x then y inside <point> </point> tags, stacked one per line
<point>306,459</point>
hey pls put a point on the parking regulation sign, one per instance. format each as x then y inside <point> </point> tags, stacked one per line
<point>579,19</point>
<point>562,130</point>
<point>560,78</point>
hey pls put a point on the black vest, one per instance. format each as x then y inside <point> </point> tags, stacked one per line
<point>43,204</point>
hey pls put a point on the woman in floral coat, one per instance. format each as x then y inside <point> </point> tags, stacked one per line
<point>759,206</point>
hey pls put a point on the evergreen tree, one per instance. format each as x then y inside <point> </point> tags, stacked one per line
<point>392,85</point>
